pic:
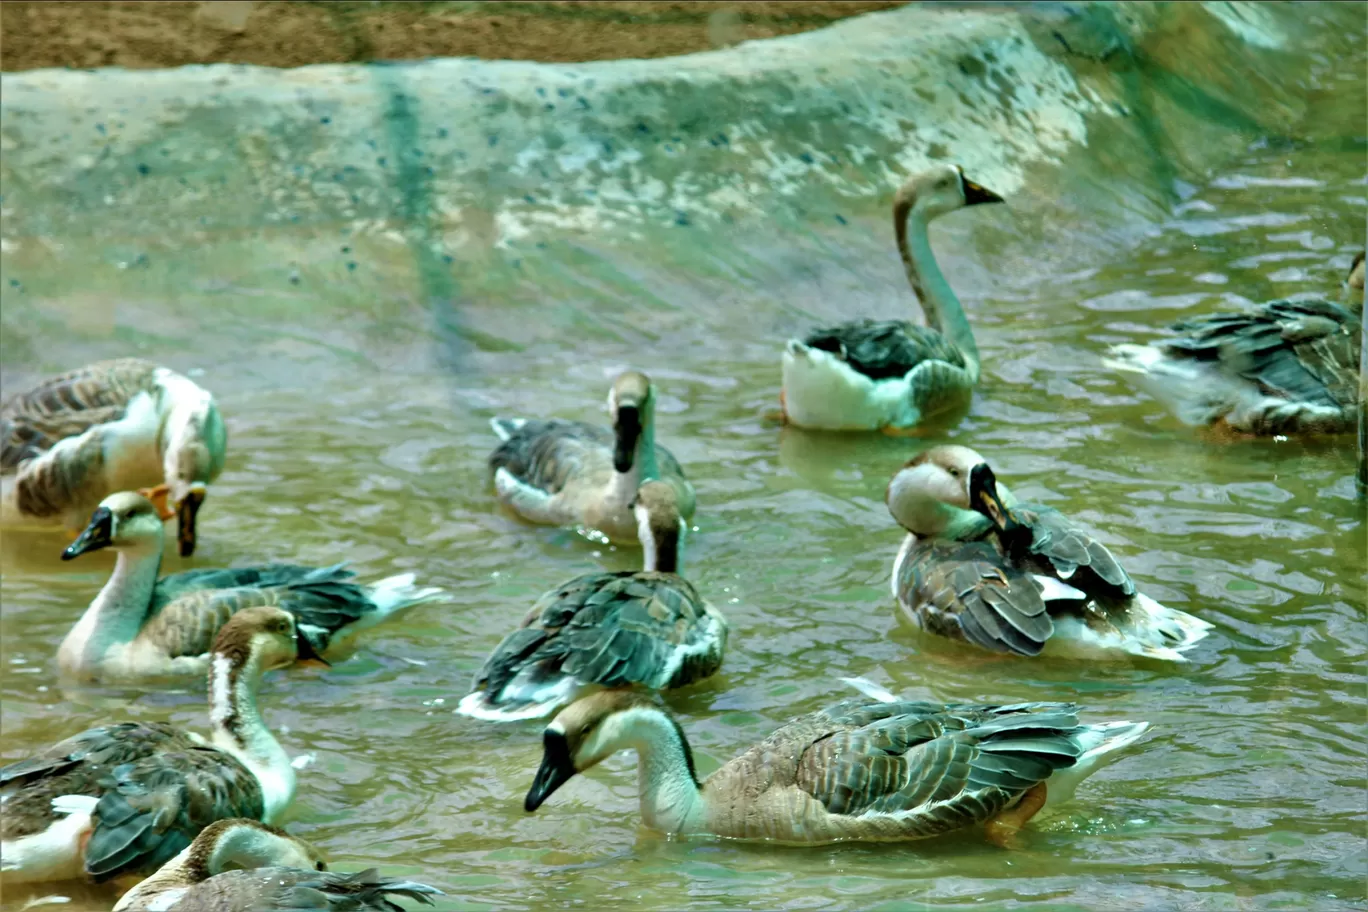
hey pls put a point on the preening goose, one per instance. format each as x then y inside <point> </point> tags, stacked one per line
<point>647,629</point>
<point>241,865</point>
<point>1283,368</point>
<point>73,440</point>
<point>893,375</point>
<point>140,626</point>
<point>978,566</point>
<point>860,770</point>
<point>572,473</point>
<point>126,798</point>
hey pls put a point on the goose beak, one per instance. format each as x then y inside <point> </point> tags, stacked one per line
<point>626,431</point>
<point>975,193</point>
<point>98,534</point>
<point>556,769</point>
<point>984,497</point>
<point>186,511</point>
<point>158,496</point>
<point>307,650</point>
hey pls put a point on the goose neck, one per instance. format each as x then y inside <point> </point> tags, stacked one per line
<point>671,799</point>
<point>237,727</point>
<point>116,616</point>
<point>939,301</point>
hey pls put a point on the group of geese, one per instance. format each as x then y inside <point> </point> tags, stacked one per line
<point>115,449</point>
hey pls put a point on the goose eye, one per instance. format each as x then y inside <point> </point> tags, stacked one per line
<point>584,729</point>
<point>954,473</point>
<point>320,867</point>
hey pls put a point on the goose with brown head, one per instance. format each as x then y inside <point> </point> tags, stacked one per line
<point>142,626</point>
<point>573,473</point>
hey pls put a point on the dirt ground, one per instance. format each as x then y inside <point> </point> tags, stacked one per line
<point>164,33</point>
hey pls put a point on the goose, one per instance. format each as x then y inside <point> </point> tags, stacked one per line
<point>1284,368</point>
<point>862,769</point>
<point>142,627</point>
<point>110,426</point>
<point>126,798</point>
<point>560,472</point>
<point>649,628</point>
<point>1013,577</point>
<point>242,865</point>
<point>893,375</point>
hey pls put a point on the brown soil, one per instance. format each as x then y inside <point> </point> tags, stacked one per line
<point>164,33</point>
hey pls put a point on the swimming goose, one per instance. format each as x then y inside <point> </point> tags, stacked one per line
<point>111,426</point>
<point>1283,368</point>
<point>649,629</point>
<point>860,770</point>
<point>978,566</point>
<point>568,472</point>
<point>893,375</point>
<point>126,798</point>
<point>140,626</point>
<point>241,865</point>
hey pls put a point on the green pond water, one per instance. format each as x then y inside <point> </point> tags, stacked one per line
<point>359,432</point>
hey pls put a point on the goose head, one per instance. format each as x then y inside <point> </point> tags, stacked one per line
<point>631,403</point>
<point>589,731</point>
<point>660,528</point>
<point>241,843</point>
<point>939,189</point>
<point>196,443</point>
<point>128,520</point>
<point>927,494</point>
<point>264,634</point>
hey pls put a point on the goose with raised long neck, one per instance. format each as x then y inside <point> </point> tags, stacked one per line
<point>1283,368</point>
<point>894,375</point>
<point>242,865</point>
<point>649,629</point>
<point>572,473</point>
<point>142,626</point>
<point>862,769</point>
<point>980,567</point>
<point>128,797</point>
<point>74,439</point>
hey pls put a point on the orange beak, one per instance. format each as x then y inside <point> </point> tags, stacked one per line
<point>159,497</point>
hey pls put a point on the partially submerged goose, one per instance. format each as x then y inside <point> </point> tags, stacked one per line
<point>980,567</point>
<point>1283,368</point>
<point>241,865</point>
<point>859,770</point>
<point>73,440</point>
<point>572,473</point>
<point>140,626</point>
<point>126,798</point>
<point>647,629</point>
<point>893,375</point>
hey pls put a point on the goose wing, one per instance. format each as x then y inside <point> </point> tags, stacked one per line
<point>189,608</point>
<point>609,629</point>
<point>1306,350</point>
<point>154,807</point>
<point>546,454</point>
<point>940,767</point>
<point>69,405</point>
<point>884,349</point>
<point>1069,553</point>
<point>77,766</point>
<point>966,590</point>
<point>305,891</point>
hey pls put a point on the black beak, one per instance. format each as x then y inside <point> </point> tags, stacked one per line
<point>627,430</point>
<point>984,497</point>
<point>556,769</point>
<point>306,649</point>
<point>977,193</point>
<point>186,511</point>
<point>98,534</point>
